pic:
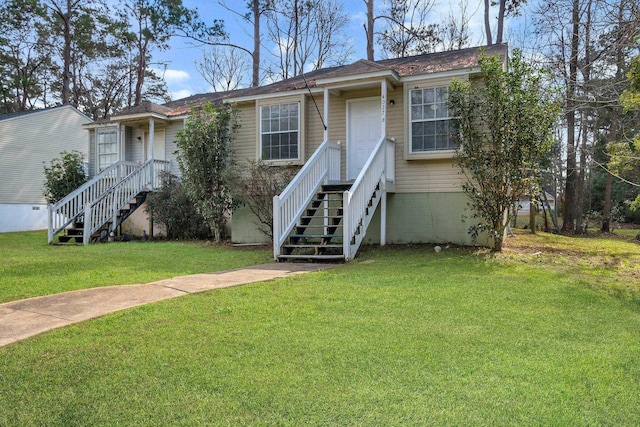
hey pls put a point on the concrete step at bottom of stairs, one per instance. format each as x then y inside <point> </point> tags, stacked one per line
<point>308,258</point>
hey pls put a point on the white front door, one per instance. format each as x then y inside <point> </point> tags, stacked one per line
<point>363,132</point>
<point>158,145</point>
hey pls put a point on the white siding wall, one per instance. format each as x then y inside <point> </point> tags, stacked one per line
<point>22,217</point>
<point>28,142</point>
<point>170,145</point>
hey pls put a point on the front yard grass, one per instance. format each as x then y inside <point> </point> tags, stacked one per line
<point>30,267</point>
<point>546,333</point>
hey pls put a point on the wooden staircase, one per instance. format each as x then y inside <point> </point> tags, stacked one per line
<point>75,233</point>
<point>95,209</point>
<point>315,219</point>
<point>319,233</point>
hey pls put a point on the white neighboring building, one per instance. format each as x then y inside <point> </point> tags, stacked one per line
<point>28,141</point>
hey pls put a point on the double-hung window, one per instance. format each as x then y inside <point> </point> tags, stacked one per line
<point>430,122</point>
<point>107,144</point>
<point>280,131</point>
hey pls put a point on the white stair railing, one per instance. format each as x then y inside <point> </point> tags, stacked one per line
<point>65,211</point>
<point>377,171</point>
<point>321,168</point>
<point>147,177</point>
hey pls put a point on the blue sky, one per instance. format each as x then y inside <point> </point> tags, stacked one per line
<point>177,64</point>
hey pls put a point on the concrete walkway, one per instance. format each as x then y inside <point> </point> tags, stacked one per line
<point>25,318</point>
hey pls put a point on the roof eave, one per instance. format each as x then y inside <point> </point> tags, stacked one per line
<point>95,125</point>
<point>442,74</point>
<point>391,76</point>
<point>273,95</point>
<point>136,116</point>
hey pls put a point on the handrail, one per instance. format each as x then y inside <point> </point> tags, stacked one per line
<point>323,166</point>
<point>378,170</point>
<point>65,211</point>
<point>106,207</point>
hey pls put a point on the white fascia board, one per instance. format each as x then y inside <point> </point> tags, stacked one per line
<point>443,74</point>
<point>147,115</point>
<point>392,75</point>
<point>273,95</point>
<point>178,118</point>
<point>99,125</point>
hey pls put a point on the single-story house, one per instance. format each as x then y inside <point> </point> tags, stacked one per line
<point>372,138</point>
<point>28,141</point>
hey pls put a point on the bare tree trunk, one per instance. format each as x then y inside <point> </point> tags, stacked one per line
<point>606,209</point>
<point>65,17</point>
<point>615,122</point>
<point>296,35</point>
<point>487,23</point>
<point>501,12</point>
<point>580,179</point>
<point>584,128</point>
<point>141,69</point>
<point>532,214</point>
<point>255,80</point>
<point>66,56</point>
<point>369,29</point>
<point>568,224</point>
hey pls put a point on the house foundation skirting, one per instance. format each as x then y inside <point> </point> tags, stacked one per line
<point>22,217</point>
<point>411,218</point>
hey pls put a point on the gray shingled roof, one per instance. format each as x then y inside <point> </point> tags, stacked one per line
<point>408,66</point>
<point>146,107</point>
<point>6,116</point>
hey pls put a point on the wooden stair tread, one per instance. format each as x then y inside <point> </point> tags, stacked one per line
<point>312,257</point>
<point>341,186</point>
<point>312,245</point>
<point>314,235</point>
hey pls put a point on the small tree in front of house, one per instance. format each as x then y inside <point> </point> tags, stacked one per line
<point>63,175</point>
<point>204,148</point>
<point>256,186</point>
<point>504,130</point>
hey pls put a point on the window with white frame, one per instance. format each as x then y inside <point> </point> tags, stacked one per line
<point>280,131</point>
<point>430,123</point>
<point>107,145</point>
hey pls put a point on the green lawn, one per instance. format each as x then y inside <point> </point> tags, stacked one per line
<point>627,232</point>
<point>546,333</point>
<point>30,267</point>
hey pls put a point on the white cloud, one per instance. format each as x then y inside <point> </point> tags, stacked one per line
<point>175,76</point>
<point>179,94</point>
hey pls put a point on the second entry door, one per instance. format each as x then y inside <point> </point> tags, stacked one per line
<point>363,132</point>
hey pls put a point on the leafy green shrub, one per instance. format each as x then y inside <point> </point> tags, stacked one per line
<point>172,208</point>
<point>204,147</point>
<point>63,175</point>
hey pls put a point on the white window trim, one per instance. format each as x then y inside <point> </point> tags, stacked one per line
<point>299,100</point>
<point>114,131</point>
<point>417,85</point>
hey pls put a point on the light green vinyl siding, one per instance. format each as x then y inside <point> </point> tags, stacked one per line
<point>245,145</point>
<point>435,217</point>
